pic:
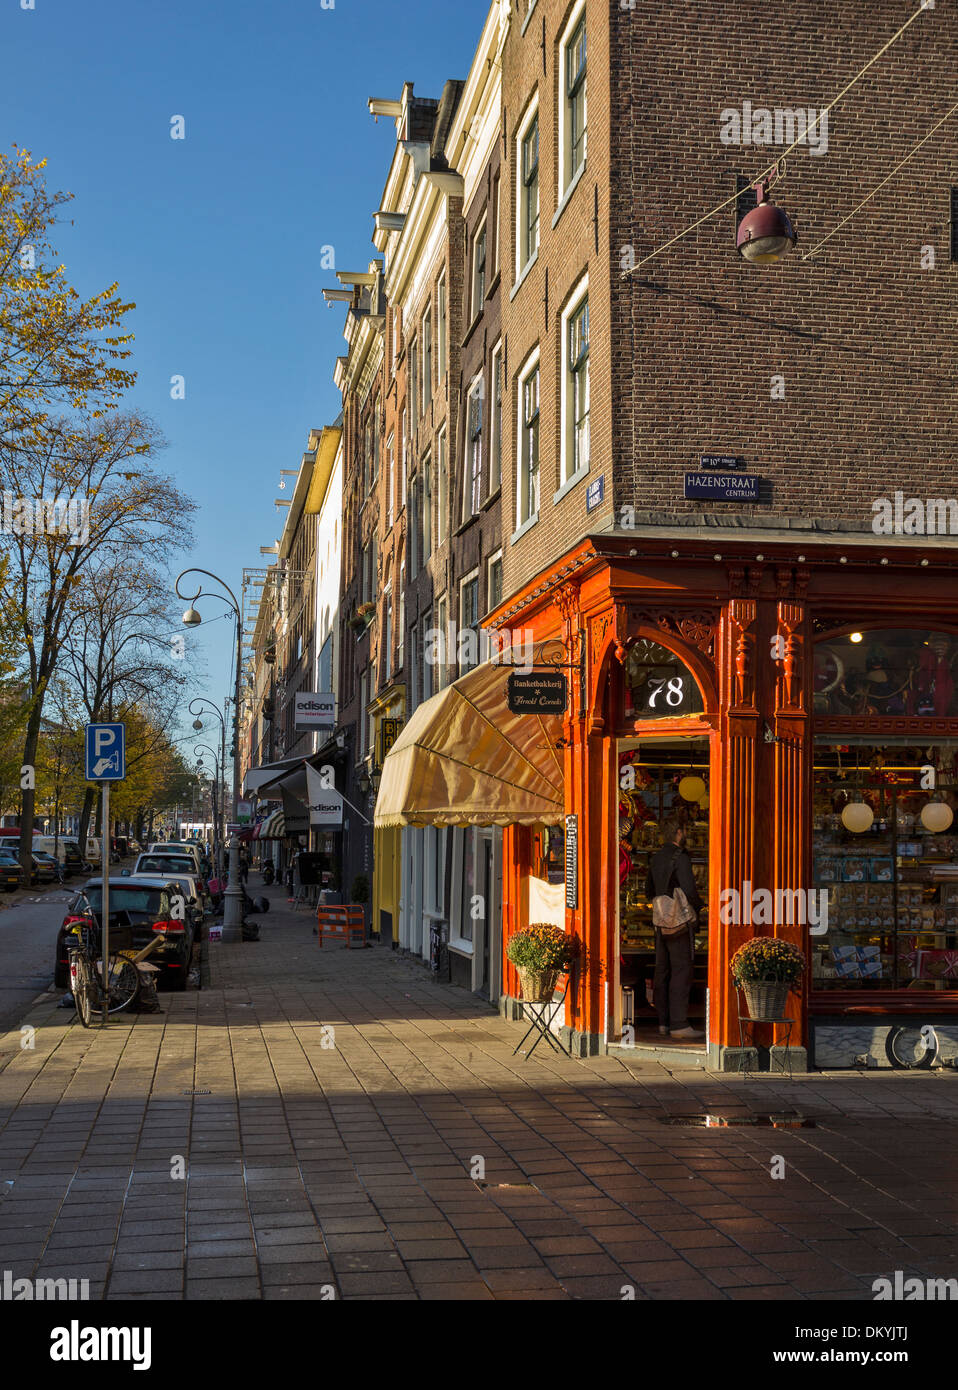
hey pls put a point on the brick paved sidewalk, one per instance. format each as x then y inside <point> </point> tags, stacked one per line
<point>346,1170</point>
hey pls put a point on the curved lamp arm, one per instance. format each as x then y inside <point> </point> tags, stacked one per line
<point>201,700</point>
<point>191,598</point>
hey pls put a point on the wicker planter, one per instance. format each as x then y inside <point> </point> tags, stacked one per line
<point>766,998</point>
<point>538,986</point>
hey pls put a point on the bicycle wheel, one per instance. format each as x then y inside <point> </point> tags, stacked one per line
<point>124,983</point>
<point>84,988</point>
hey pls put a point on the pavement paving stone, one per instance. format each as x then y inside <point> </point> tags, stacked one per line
<point>368,1170</point>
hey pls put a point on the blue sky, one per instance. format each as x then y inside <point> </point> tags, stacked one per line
<point>217,237</point>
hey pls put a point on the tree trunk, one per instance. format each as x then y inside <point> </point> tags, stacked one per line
<point>29,796</point>
<point>85,814</point>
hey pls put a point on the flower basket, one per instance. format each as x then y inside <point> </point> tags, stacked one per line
<point>766,998</point>
<point>540,952</point>
<point>538,986</point>
<point>766,969</point>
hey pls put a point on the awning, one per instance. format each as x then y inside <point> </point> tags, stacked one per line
<point>465,759</point>
<point>257,777</point>
<point>272,828</point>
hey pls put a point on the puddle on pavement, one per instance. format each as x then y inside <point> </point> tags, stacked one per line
<point>782,1120</point>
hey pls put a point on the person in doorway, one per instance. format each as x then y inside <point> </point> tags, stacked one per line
<point>670,868</point>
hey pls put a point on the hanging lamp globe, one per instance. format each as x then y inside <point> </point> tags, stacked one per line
<point>937,816</point>
<point>765,235</point>
<point>691,788</point>
<point>858,817</point>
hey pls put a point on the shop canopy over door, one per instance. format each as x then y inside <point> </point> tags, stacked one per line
<point>465,759</point>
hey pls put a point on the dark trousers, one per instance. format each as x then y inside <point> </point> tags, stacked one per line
<point>673,978</point>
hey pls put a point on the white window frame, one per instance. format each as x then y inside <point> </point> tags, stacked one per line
<point>442,622</point>
<point>425,472</point>
<point>470,578</point>
<point>472,479</point>
<point>412,385</point>
<point>491,560</point>
<point>387,631</point>
<point>457,941</point>
<point>442,482</point>
<point>426,375</point>
<point>478,296</point>
<point>528,369</point>
<point>569,476</point>
<point>401,646</point>
<point>390,478</point>
<point>442,327</point>
<point>404,439</point>
<point>497,225</point>
<point>495,422</point>
<point>522,265</point>
<point>568,175</point>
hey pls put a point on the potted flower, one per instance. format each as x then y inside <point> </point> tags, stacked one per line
<point>539,952</point>
<point>767,969</point>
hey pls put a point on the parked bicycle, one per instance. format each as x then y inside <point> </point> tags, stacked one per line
<point>86,981</point>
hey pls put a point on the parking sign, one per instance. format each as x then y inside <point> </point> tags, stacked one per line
<point>105,752</point>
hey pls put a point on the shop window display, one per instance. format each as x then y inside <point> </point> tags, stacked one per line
<point>654,785</point>
<point>894,672</point>
<point>892,883</point>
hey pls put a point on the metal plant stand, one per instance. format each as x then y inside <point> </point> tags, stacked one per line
<point>746,1034</point>
<point>541,1023</point>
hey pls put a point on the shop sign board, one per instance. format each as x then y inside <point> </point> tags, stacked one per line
<point>540,692</point>
<point>722,487</point>
<point>389,730</point>
<point>572,861</point>
<point>244,812</point>
<point>314,709</point>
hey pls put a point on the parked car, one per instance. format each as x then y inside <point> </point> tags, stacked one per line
<point>48,861</point>
<point>197,896</point>
<point>163,861</point>
<point>136,910</point>
<point>43,869</point>
<point>180,848</point>
<point>67,850</point>
<point>9,871</point>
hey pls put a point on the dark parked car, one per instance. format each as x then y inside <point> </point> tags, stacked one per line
<point>47,861</point>
<point>136,909</point>
<point>9,871</point>
<point>43,870</point>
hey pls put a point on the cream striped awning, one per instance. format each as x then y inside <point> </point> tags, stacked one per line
<point>465,759</point>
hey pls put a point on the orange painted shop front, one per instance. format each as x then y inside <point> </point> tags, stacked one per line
<point>692,690</point>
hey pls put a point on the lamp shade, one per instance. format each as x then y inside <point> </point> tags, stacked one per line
<point>858,817</point>
<point>936,816</point>
<point>765,235</point>
<point>691,788</point>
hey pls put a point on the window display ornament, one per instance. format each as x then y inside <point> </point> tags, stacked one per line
<point>692,788</point>
<point>858,816</point>
<point>937,815</point>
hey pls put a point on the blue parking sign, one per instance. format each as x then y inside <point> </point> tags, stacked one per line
<point>105,752</point>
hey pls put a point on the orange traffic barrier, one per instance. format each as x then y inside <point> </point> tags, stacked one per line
<point>345,922</point>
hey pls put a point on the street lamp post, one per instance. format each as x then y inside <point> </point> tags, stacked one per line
<point>217,800</point>
<point>233,911</point>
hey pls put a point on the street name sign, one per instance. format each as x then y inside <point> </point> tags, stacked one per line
<point>722,487</point>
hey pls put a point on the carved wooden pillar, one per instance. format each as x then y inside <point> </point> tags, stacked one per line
<point>793,784</point>
<point>736,777</point>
